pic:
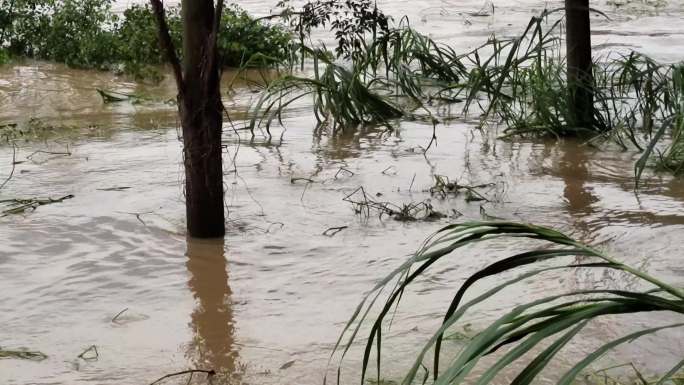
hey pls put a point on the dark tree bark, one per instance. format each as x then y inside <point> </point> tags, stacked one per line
<point>580,77</point>
<point>200,109</point>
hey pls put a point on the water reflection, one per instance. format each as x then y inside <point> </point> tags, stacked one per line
<point>212,320</point>
<point>572,168</point>
<point>350,143</point>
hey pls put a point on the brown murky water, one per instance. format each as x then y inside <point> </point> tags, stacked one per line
<point>266,305</point>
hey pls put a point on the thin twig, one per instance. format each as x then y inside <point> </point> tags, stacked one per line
<point>119,314</point>
<point>306,186</point>
<point>307,180</point>
<point>330,232</point>
<point>167,44</point>
<point>14,166</point>
<point>434,136</point>
<point>91,348</point>
<point>342,169</point>
<point>268,229</point>
<point>64,153</point>
<point>22,205</point>
<point>137,215</point>
<point>209,373</point>
<point>212,54</point>
<point>386,171</point>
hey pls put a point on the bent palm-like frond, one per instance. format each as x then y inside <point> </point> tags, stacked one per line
<point>549,323</point>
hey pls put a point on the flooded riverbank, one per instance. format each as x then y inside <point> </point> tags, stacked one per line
<point>266,305</point>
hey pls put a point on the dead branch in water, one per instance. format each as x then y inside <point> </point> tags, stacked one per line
<point>444,187</point>
<point>14,166</point>
<point>412,211</point>
<point>341,170</point>
<point>21,205</point>
<point>330,232</point>
<point>90,354</point>
<point>295,180</point>
<point>64,153</point>
<point>23,354</point>
<point>391,170</point>
<point>167,44</point>
<point>119,314</point>
<point>209,373</point>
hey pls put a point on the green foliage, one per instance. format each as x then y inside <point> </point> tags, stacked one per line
<point>79,34</point>
<point>138,29</point>
<point>243,40</point>
<point>87,34</point>
<point>383,79</point>
<point>520,83</point>
<point>341,96</point>
<point>672,157</point>
<point>534,331</point>
<point>351,21</point>
<point>4,56</point>
<point>76,32</point>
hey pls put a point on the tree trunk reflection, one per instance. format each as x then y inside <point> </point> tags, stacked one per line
<point>212,320</point>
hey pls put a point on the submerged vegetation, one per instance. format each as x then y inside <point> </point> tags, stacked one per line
<point>537,329</point>
<point>88,34</point>
<point>378,74</point>
<point>380,71</point>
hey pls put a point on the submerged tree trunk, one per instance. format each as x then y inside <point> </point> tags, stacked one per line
<point>580,78</point>
<point>200,108</point>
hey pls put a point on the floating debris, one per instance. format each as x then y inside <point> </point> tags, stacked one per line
<point>23,354</point>
<point>90,354</point>
<point>119,315</point>
<point>117,97</point>
<point>330,232</point>
<point>118,188</point>
<point>444,187</point>
<point>18,206</point>
<point>405,212</point>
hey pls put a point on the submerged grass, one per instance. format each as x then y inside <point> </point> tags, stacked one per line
<point>365,205</point>
<point>341,97</point>
<point>520,83</point>
<point>536,329</point>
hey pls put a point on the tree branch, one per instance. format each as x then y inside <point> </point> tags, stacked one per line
<point>209,373</point>
<point>212,54</point>
<point>167,44</point>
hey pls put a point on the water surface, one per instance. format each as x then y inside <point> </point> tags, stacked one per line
<point>266,305</point>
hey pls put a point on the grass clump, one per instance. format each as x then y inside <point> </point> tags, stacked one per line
<point>669,157</point>
<point>381,72</point>
<point>341,96</point>
<point>537,329</point>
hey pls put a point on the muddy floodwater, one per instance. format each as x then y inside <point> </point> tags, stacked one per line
<point>112,267</point>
